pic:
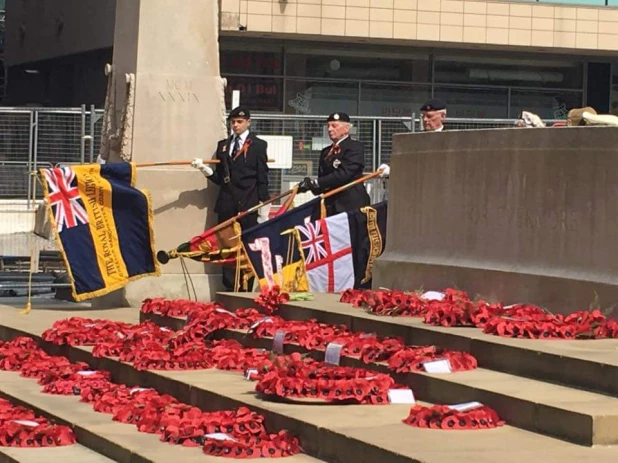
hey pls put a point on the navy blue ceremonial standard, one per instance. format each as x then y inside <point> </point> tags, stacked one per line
<point>103,226</point>
<point>273,251</point>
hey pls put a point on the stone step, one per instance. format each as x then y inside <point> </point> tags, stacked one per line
<point>585,364</point>
<point>574,415</point>
<point>118,441</point>
<point>71,453</point>
<point>332,433</point>
<point>96,431</point>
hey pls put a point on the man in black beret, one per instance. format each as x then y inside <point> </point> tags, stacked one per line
<point>340,163</point>
<point>433,113</point>
<point>242,174</point>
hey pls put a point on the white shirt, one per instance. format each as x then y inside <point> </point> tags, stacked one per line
<point>341,140</point>
<point>243,136</point>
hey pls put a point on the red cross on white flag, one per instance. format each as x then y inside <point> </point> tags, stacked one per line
<point>328,254</point>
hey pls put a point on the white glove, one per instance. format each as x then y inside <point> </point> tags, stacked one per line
<point>263,213</point>
<point>386,170</point>
<point>198,164</point>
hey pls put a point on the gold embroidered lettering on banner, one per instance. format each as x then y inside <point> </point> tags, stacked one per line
<point>375,240</point>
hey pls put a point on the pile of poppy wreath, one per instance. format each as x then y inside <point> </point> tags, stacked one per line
<point>149,347</point>
<point>445,417</point>
<point>269,300</point>
<point>456,309</point>
<point>20,427</point>
<point>308,334</point>
<point>236,433</point>
<point>366,347</point>
<point>298,378</point>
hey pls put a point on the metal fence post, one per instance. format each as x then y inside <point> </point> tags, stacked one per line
<point>93,116</point>
<point>373,145</point>
<point>379,142</point>
<point>413,122</point>
<point>35,149</point>
<point>31,178</point>
<point>82,138</point>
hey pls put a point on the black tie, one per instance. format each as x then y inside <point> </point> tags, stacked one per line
<point>236,145</point>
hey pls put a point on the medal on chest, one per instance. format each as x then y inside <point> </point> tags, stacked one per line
<point>336,163</point>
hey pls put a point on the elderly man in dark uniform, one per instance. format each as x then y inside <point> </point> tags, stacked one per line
<point>433,113</point>
<point>242,174</point>
<point>340,163</point>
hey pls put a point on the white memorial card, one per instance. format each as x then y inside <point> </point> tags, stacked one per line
<point>333,353</point>
<point>278,342</point>
<point>401,396</point>
<point>27,423</point>
<point>438,366</point>
<point>433,296</point>
<point>466,406</point>
<point>220,436</point>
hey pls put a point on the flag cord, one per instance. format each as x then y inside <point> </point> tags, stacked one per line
<point>188,279</point>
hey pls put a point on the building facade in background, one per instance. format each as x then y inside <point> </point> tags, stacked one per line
<point>488,59</point>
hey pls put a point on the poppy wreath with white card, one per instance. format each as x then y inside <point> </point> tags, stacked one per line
<point>455,308</point>
<point>20,427</point>
<point>309,379</point>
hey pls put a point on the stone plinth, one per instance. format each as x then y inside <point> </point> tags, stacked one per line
<point>517,215</point>
<point>178,114</point>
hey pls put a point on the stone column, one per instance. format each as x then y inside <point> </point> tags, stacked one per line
<point>177,113</point>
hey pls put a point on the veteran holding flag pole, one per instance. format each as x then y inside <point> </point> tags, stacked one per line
<point>242,174</point>
<point>341,164</point>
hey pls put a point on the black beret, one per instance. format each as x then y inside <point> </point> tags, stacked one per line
<point>239,112</point>
<point>434,104</point>
<point>343,117</point>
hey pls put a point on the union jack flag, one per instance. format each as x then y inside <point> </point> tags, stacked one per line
<point>64,198</point>
<point>312,241</point>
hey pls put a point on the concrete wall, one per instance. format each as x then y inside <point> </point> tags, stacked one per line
<point>449,21</point>
<point>40,30</point>
<point>518,215</point>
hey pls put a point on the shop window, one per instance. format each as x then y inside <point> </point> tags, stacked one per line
<point>258,93</point>
<point>513,73</point>
<point>474,103</point>
<point>319,98</point>
<point>547,105</point>
<point>357,68</point>
<point>384,100</point>
<point>251,62</point>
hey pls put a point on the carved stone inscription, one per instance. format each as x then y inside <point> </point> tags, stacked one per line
<point>178,91</point>
<point>523,218</point>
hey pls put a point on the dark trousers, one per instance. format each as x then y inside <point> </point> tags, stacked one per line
<point>229,271</point>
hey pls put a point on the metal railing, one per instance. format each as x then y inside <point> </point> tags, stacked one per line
<point>34,138</point>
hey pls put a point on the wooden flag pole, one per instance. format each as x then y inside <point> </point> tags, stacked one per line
<point>226,223</point>
<point>252,210</point>
<point>351,184</point>
<point>180,163</point>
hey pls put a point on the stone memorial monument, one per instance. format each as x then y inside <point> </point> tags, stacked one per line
<point>166,103</point>
<point>516,215</point>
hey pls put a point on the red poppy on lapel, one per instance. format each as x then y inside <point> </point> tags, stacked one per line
<point>335,149</point>
<point>243,150</point>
